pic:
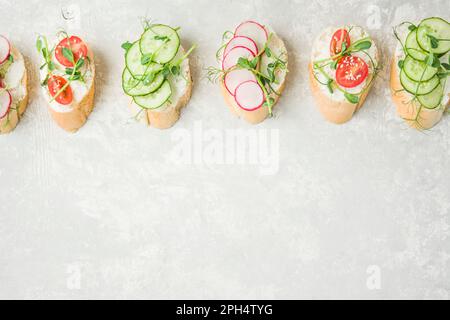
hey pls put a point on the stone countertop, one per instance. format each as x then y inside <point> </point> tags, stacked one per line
<point>306,210</point>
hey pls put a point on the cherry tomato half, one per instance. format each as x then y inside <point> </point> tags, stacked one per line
<point>55,84</point>
<point>336,41</point>
<point>78,47</point>
<point>351,71</point>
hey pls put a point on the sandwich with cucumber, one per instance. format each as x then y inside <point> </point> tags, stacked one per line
<point>344,65</point>
<point>157,76</point>
<point>67,73</point>
<point>420,72</point>
<point>252,72</point>
<point>13,86</point>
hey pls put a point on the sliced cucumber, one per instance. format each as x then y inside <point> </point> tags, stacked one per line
<point>438,28</point>
<point>433,99</point>
<point>413,48</point>
<point>418,88</point>
<point>134,87</point>
<point>161,41</point>
<point>418,70</point>
<point>133,60</point>
<point>156,99</point>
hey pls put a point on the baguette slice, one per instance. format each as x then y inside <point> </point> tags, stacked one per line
<point>73,120</point>
<point>166,116</point>
<point>9,122</point>
<point>339,111</point>
<point>407,109</point>
<point>259,115</point>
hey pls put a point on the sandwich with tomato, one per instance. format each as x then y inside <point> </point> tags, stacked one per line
<point>67,75</point>
<point>344,65</point>
<point>157,76</point>
<point>13,86</point>
<point>253,69</point>
<point>420,71</point>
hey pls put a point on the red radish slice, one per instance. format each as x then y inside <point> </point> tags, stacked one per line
<point>5,103</point>
<point>249,95</point>
<point>253,30</point>
<point>5,49</point>
<point>234,78</point>
<point>241,41</point>
<point>232,58</point>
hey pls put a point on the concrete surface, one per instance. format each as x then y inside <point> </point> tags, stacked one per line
<point>122,211</point>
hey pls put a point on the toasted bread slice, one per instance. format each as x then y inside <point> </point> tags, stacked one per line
<point>408,109</point>
<point>73,120</point>
<point>19,94</point>
<point>259,115</point>
<point>334,107</point>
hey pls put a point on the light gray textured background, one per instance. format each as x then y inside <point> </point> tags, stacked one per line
<point>104,214</point>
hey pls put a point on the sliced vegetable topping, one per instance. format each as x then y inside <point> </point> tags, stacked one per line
<point>241,41</point>
<point>234,78</point>
<point>160,43</point>
<point>233,56</point>
<point>60,90</point>
<point>5,49</point>
<point>351,71</point>
<point>254,31</point>
<point>249,95</point>
<point>433,34</point>
<point>339,42</point>
<point>5,103</point>
<point>70,50</point>
<point>156,99</point>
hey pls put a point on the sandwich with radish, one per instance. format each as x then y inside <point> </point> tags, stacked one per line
<point>344,65</point>
<point>67,73</point>
<point>13,86</point>
<point>157,76</point>
<point>420,70</point>
<point>253,68</point>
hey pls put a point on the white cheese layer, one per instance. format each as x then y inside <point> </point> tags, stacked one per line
<point>321,50</point>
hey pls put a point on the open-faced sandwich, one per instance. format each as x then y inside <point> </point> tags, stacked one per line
<point>67,78</point>
<point>420,71</point>
<point>13,86</point>
<point>157,76</point>
<point>253,70</point>
<point>344,64</point>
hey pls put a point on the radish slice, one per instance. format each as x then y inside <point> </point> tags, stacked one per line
<point>241,41</point>
<point>5,103</point>
<point>253,30</point>
<point>249,95</point>
<point>5,49</point>
<point>234,78</point>
<point>232,58</point>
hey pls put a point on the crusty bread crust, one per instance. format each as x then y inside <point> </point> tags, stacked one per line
<point>166,118</point>
<point>72,121</point>
<point>9,123</point>
<point>408,109</point>
<point>260,114</point>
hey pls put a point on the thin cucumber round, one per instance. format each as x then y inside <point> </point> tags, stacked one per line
<point>160,41</point>
<point>156,99</point>
<point>418,88</point>
<point>418,70</point>
<point>134,87</point>
<point>413,48</point>
<point>433,99</point>
<point>439,29</point>
<point>133,61</point>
